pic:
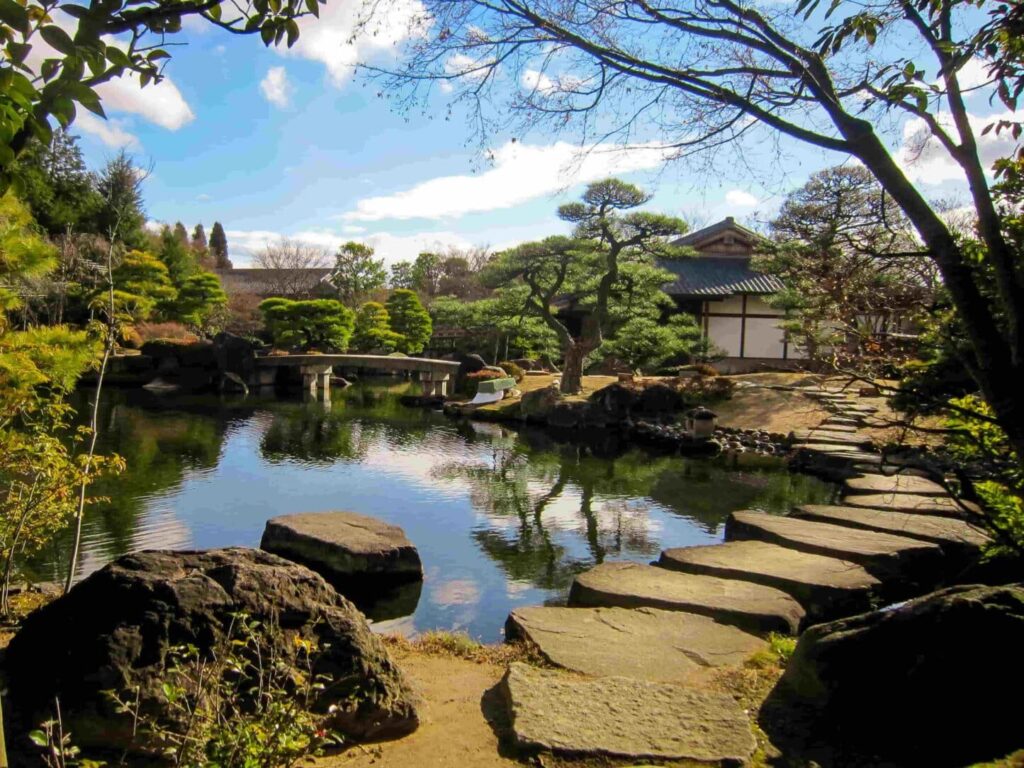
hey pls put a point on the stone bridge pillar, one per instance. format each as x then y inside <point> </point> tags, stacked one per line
<point>312,375</point>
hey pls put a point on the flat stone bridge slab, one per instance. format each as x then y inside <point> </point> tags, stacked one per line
<point>435,374</point>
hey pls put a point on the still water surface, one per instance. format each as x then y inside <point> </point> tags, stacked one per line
<point>501,517</point>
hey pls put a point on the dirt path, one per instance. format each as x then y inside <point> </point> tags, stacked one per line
<point>459,697</point>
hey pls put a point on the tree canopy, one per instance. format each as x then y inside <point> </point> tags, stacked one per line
<point>357,273</point>
<point>409,320</point>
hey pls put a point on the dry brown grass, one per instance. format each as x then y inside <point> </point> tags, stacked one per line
<point>461,646</point>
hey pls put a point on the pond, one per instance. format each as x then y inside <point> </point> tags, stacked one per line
<point>502,517</point>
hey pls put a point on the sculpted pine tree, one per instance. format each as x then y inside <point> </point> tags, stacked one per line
<point>607,267</point>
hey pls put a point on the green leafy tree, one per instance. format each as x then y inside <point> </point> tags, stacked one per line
<point>142,287</point>
<point>40,475</point>
<point>38,89</point>
<point>357,273</point>
<point>57,186</point>
<point>402,275</point>
<point>182,234</point>
<point>426,273</point>
<point>645,344</point>
<point>607,268</point>
<point>120,186</point>
<point>373,329</point>
<point>322,324</point>
<point>409,320</point>
<point>200,299</point>
<point>853,271</point>
<point>177,256</point>
<point>219,246</point>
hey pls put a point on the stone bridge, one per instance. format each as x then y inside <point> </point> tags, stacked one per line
<point>433,374</point>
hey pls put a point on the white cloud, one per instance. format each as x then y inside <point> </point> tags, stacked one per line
<point>352,229</point>
<point>110,132</point>
<point>203,197</point>
<point>339,41</point>
<point>925,160</point>
<point>740,199</point>
<point>461,65</point>
<point>161,104</point>
<point>245,243</point>
<point>520,173</point>
<point>535,80</point>
<point>275,87</point>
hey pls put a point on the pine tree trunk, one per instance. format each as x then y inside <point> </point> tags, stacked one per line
<point>572,369</point>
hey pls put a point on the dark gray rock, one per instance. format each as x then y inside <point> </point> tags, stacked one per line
<point>344,547</point>
<point>113,630</point>
<point>934,681</point>
<point>235,355</point>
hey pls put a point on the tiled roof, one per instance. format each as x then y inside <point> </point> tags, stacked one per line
<point>711,276</point>
<point>727,224</point>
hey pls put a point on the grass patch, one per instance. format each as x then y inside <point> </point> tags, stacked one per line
<point>459,645</point>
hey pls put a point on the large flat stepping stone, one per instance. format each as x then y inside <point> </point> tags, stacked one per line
<point>826,587</point>
<point>908,502</point>
<point>841,421</point>
<point>827,436</point>
<point>836,425</point>
<point>750,606</point>
<point>952,534</point>
<point>345,548</point>
<point>623,718</point>
<point>875,484</point>
<point>641,643</point>
<point>885,555</point>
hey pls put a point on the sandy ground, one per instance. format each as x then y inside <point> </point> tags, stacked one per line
<point>459,702</point>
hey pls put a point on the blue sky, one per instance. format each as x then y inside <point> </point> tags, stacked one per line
<point>274,143</point>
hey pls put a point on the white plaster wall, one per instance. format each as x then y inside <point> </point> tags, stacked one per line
<point>763,338</point>
<point>725,333</point>
<point>756,305</point>
<point>731,304</point>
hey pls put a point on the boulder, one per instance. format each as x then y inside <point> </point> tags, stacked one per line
<point>536,404</point>
<point>934,681</point>
<point>623,718</point>
<point>347,549</point>
<point>659,399</point>
<point>235,355</point>
<point>113,630</point>
<point>616,400</point>
<point>232,382</point>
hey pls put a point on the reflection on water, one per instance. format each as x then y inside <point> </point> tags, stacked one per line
<point>501,517</point>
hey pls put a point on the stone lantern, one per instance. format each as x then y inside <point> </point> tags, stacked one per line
<point>701,422</point>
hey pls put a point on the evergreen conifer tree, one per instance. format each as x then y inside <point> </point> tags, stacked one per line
<point>219,247</point>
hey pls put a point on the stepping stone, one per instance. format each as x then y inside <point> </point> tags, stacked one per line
<point>908,502</point>
<point>949,533</point>
<point>875,484</point>
<point>826,587</point>
<point>752,607</point>
<point>831,425</point>
<point>623,718</point>
<point>641,643</point>
<point>841,421</point>
<point>848,439</point>
<point>346,548</point>
<point>883,554</point>
<point>844,452</point>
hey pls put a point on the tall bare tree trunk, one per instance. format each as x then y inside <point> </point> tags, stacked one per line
<point>94,421</point>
